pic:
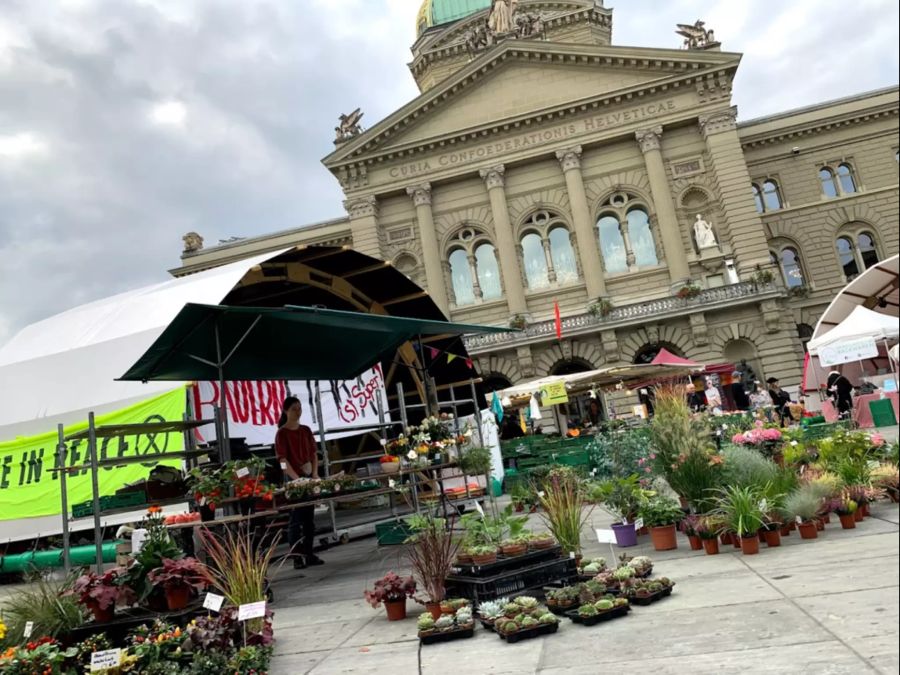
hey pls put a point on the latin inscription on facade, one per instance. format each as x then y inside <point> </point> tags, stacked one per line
<point>535,138</point>
<point>687,168</point>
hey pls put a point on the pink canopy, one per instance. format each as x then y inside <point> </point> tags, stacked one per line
<point>667,358</point>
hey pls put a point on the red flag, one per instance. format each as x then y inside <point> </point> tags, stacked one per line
<point>470,363</point>
<point>558,320</point>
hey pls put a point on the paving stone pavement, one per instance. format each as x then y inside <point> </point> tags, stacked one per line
<point>824,606</point>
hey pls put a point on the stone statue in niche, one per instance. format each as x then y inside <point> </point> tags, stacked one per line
<point>703,233</point>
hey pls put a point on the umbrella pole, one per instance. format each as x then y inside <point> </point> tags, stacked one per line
<point>224,442</point>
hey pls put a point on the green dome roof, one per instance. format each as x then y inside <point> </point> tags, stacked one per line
<point>437,12</point>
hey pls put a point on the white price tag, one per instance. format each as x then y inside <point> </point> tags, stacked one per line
<point>624,521</point>
<point>479,509</point>
<point>109,658</point>
<point>606,536</point>
<point>243,472</point>
<point>213,602</point>
<point>253,610</point>
<point>138,537</point>
<point>283,465</point>
<point>572,555</point>
<point>799,520</point>
<point>29,627</point>
<point>383,441</point>
<point>541,494</point>
<point>639,523</point>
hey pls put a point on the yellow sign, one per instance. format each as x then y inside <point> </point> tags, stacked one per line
<point>554,393</point>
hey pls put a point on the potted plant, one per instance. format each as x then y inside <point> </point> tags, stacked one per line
<point>689,291</point>
<point>689,527</point>
<point>518,322</point>
<point>562,499</point>
<point>601,308</point>
<point>515,545</point>
<point>209,488</point>
<point>708,529</point>
<point>475,461</point>
<point>541,541</point>
<point>661,514</point>
<point>392,590</point>
<point>740,508</point>
<point>180,579</point>
<point>102,593</point>
<point>389,463</point>
<point>803,506</point>
<point>623,498</point>
<point>845,508</point>
<point>431,551</point>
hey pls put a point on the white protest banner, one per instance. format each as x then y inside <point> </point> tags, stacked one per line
<point>255,406</point>
<point>213,602</point>
<point>109,658</point>
<point>252,610</point>
<point>847,351</point>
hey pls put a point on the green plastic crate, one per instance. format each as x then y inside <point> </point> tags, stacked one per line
<point>883,413</point>
<point>109,502</point>
<point>392,533</point>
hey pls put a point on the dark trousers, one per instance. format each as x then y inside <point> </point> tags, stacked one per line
<point>302,530</point>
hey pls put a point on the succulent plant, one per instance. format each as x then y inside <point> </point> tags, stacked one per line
<point>591,568</point>
<point>599,562</point>
<point>641,564</point>
<point>464,616</point>
<point>620,602</point>
<point>666,582</point>
<point>529,622</point>
<point>509,627</point>
<point>548,618</point>
<point>491,610</point>
<point>595,587</point>
<point>425,622</point>
<point>624,572</point>
<point>446,622</point>
<point>520,618</point>
<point>510,609</point>
<point>526,602</point>
<point>458,603</point>
<point>604,605</point>
<point>587,611</point>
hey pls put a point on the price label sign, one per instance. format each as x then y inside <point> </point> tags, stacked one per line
<point>253,610</point>
<point>138,537</point>
<point>479,509</point>
<point>29,628</point>
<point>283,465</point>
<point>213,602</point>
<point>799,520</point>
<point>606,536</point>
<point>639,523</point>
<point>572,555</point>
<point>109,658</point>
<point>243,472</point>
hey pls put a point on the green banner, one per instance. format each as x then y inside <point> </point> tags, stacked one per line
<point>28,488</point>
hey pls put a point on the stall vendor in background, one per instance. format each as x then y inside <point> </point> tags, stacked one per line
<point>841,392</point>
<point>295,447</point>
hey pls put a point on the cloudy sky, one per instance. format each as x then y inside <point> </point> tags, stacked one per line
<point>126,123</point>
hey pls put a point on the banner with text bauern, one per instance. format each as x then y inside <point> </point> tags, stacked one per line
<point>255,406</point>
<point>28,488</point>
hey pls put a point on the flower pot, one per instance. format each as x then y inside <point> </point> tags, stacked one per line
<point>761,535</point>
<point>735,540</point>
<point>711,546</point>
<point>104,615</point>
<point>864,507</point>
<point>786,530</point>
<point>808,530</point>
<point>463,559</point>
<point>848,521</point>
<point>207,513</point>
<point>514,549</point>
<point>396,609</point>
<point>820,525</point>
<point>663,538</point>
<point>643,532</point>
<point>772,537</point>
<point>178,597</point>
<point>485,559</point>
<point>826,519</point>
<point>519,508</point>
<point>696,543</point>
<point>726,538</point>
<point>626,536</point>
<point>156,601</point>
<point>390,467</point>
<point>750,545</point>
<point>434,608</point>
<point>543,544</point>
<point>858,515</point>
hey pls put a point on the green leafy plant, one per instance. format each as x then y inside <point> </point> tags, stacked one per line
<point>661,511</point>
<point>741,508</point>
<point>564,513</point>
<point>237,565</point>
<point>600,308</point>
<point>623,497</point>
<point>746,467</point>
<point>804,503</point>
<point>475,461</point>
<point>46,603</point>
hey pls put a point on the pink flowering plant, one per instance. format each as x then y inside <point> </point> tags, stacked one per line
<point>391,588</point>
<point>758,435</point>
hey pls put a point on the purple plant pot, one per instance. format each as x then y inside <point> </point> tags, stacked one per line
<point>626,535</point>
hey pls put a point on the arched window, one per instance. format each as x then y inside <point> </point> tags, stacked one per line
<point>847,256</point>
<point>461,277</point>
<point>829,183</point>
<point>845,175</point>
<point>757,199</point>
<point>626,235</point>
<point>488,271</point>
<point>563,256</point>
<point>866,247</point>
<point>791,268</point>
<point>612,245</point>
<point>535,261</point>
<point>771,195</point>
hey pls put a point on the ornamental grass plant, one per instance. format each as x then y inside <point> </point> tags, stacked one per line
<point>431,551</point>
<point>564,513</point>
<point>238,565</point>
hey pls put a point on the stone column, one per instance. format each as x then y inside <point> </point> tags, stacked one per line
<point>585,228</point>
<point>431,252</point>
<point>669,230</point>
<point>363,212</point>
<point>748,238</point>
<point>548,256</point>
<point>506,245</point>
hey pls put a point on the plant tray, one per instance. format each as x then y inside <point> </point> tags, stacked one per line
<point>392,533</point>
<point>125,621</point>
<point>650,599</point>
<point>505,563</point>
<point>511,582</point>
<point>645,575</point>
<point>449,636</point>
<point>562,611</point>
<point>529,633</point>
<point>600,618</point>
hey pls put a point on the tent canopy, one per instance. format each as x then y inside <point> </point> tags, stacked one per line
<point>860,323</point>
<point>667,358</point>
<point>257,343</point>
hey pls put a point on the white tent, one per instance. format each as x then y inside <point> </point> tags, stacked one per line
<point>860,323</point>
<point>57,370</point>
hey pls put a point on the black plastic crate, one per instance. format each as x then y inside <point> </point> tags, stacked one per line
<point>529,633</point>
<point>505,563</point>
<point>650,599</point>
<point>434,638</point>
<point>614,613</point>
<point>538,575</point>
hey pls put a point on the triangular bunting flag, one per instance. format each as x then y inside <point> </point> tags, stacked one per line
<point>450,358</point>
<point>469,363</point>
<point>434,353</point>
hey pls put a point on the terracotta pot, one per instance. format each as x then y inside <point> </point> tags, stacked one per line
<point>772,537</point>
<point>663,538</point>
<point>156,601</point>
<point>865,509</point>
<point>396,610</point>
<point>514,549</point>
<point>463,559</point>
<point>820,525</point>
<point>826,519</point>
<point>485,559</point>
<point>101,615</point>
<point>735,540</point>
<point>761,535</point>
<point>543,544</point>
<point>858,515</point>
<point>643,532</point>
<point>434,608</point>
<point>808,530</point>
<point>848,521</point>
<point>793,526</point>
<point>786,530</point>
<point>726,538</point>
<point>696,543</point>
<point>711,546</point>
<point>519,508</point>
<point>750,545</point>
<point>178,597</point>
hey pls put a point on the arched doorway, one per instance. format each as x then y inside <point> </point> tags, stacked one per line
<point>742,353</point>
<point>491,382</point>
<point>578,408</point>
<point>805,333</point>
<point>648,352</point>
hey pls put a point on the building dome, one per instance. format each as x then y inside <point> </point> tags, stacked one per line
<point>437,12</point>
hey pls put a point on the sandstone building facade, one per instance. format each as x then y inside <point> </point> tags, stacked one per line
<point>542,164</point>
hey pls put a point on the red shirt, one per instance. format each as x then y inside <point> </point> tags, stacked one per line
<point>296,446</point>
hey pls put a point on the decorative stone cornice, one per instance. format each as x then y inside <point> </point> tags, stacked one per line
<point>421,194</point>
<point>649,138</point>
<point>570,158</point>
<point>719,121</point>
<point>493,177</point>
<point>361,207</point>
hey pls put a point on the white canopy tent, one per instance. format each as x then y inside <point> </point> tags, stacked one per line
<point>860,323</point>
<point>56,370</point>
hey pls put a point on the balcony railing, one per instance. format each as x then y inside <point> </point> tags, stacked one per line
<point>711,298</point>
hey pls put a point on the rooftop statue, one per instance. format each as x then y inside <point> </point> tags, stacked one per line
<point>349,126</point>
<point>696,36</point>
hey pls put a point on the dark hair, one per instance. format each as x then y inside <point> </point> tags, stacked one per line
<point>288,402</point>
